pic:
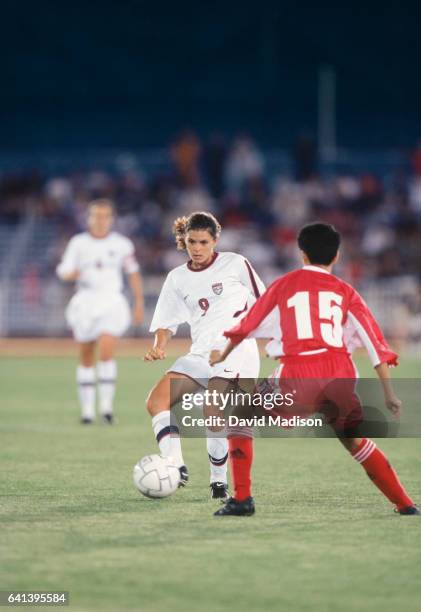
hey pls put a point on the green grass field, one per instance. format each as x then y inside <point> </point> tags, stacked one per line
<point>323,537</point>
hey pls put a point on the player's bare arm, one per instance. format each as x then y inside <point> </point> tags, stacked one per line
<point>219,356</point>
<point>68,270</point>
<point>393,403</point>
<point>69,277</point>
<point>162,337</point>
<point>135,283</point>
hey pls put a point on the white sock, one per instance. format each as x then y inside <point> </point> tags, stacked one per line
<point>86,390</point>
<point>167,436</point>
<point>107,375</point>
<point>218,456</point>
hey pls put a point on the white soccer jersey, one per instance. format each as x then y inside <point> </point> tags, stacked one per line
<point>209,299</point>
<point>100,261</point>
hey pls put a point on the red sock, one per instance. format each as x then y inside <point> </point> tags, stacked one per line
<point>241,458</point>
<point>381,473</point>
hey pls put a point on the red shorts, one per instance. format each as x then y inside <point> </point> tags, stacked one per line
<point>321,383</point>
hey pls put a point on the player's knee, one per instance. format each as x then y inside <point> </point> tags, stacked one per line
<point>106,354</point>
<point>216,419</point>
<point>87,359</point>
<point>149,404</point>
<point>153,406</point>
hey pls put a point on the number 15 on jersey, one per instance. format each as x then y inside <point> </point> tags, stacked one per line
<point>330,316</point>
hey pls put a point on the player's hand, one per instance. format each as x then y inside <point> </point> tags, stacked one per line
<point>71,277</point>
<point>154,354</point>
<point>393,404</point>
<point>137,314</point>
<point>215,357</point>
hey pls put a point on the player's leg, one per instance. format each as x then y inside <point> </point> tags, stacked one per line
<point>246,362</point>
<point>240,448</point>
<point>167,391</point>
<point>346,423</point>
<point>107,375</point>
<point>380,471</point>
<point>189,374</point>
<point>86,381</point>
<point>240,452</point>
<point>112,324</point>
<point>79,319</point>
<point>216,441</point>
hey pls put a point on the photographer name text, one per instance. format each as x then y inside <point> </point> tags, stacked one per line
<point>253,421</point>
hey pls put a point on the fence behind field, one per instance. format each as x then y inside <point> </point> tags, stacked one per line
<point>32,306</point>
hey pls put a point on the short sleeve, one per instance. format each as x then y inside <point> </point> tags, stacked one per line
<point>249,278</point>
<point>369,332</point>
<point>170,310</point>
<point>68,263</point>
<point>130,263</point>
<point>254,324</point>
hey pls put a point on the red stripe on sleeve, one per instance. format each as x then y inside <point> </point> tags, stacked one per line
<point>370,332</point>
<point>260,309</point>
<point>252,280</point>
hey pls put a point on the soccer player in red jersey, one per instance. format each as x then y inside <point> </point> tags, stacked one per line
<point>315,318</point>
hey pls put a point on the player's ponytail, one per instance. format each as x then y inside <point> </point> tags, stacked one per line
<point>196,221</point>
<point>179,231</point>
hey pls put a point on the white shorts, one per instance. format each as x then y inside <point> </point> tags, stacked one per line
<point>242,362</point>
<point>91,314</point>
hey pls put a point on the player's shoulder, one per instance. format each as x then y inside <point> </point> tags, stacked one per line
<point>177,274</point>
<point>344,286</point>
<point>335,281</point>
<point>292,274</point>
<point>321,273</point>
<point>344,283</point>
<point>230,257</point>
<point>120,239</point>
<point>223,257</point>
<point>293,278</point>
<point>79,239</point>
<point>286,278</point>
<point>348,290</point>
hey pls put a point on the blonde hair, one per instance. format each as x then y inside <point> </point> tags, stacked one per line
<point>196,221</point>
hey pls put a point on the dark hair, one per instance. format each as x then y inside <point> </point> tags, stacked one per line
<point>196,221</point>
<point>320,242</point>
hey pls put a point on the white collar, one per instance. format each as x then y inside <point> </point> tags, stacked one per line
<point>316,269</point>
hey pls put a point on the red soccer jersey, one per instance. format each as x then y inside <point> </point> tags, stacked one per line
<point>309,311</point>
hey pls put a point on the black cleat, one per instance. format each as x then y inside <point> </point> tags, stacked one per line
<point>219,490</point>
<point>86,421</point>
<point>409,511</point>
<point>184,476</point>
<point>237,508</point>
<point>108,419</point>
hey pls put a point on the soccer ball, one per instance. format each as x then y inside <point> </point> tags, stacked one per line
<point>156,476</point>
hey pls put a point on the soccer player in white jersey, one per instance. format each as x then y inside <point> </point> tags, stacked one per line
<point>207,292</point>
<point>98,313</point>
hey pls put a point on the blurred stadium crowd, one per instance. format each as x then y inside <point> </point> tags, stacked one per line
<point>260,204</point>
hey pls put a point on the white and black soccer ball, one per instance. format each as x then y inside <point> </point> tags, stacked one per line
<point>156,476</point>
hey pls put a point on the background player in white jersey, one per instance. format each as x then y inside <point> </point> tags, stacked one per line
<point>206,292</point>
<point>98,313</point>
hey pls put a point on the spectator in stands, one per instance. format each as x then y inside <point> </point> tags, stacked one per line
<point>185,154</point>
<point>244,162</point>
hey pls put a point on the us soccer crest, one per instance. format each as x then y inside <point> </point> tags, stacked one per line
<point>217,288</point>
